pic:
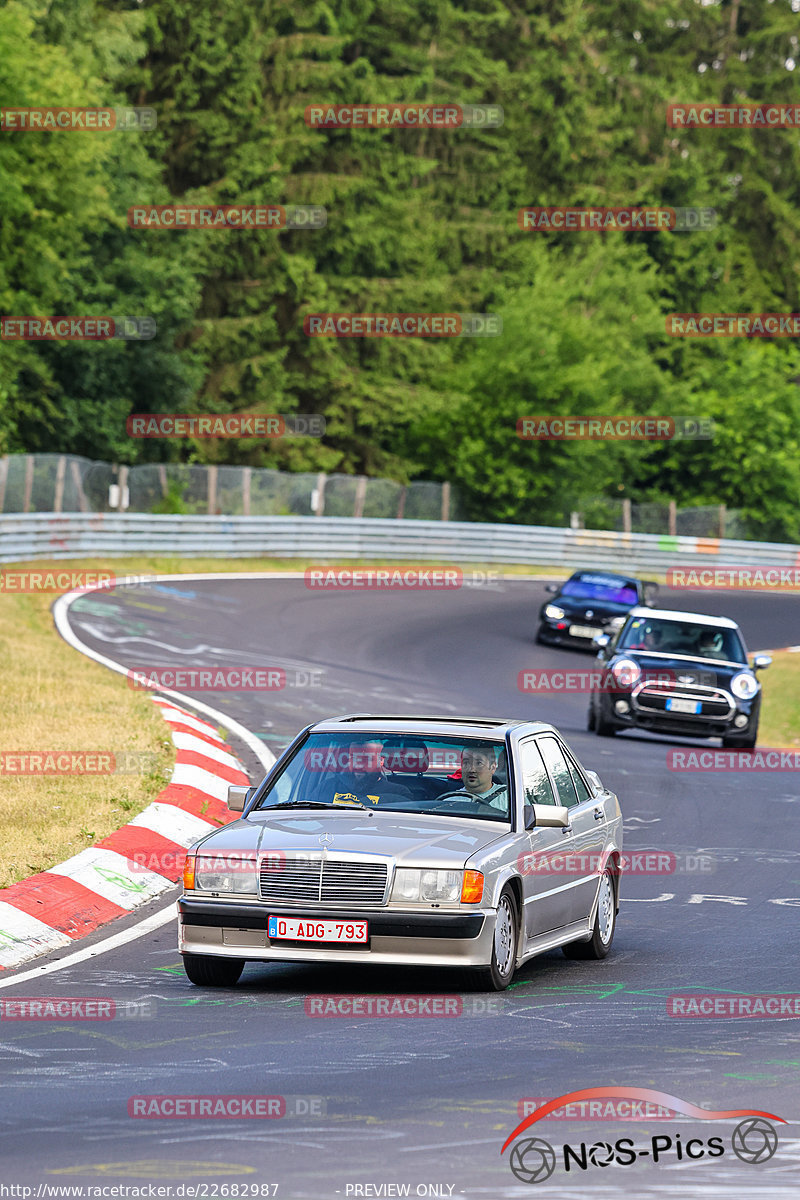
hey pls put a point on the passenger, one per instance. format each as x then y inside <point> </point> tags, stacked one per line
<point>478,765</point>
<point>365,783</point>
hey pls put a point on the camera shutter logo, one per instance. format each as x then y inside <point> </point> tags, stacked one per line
<point>754,1140</point>
<point>533,1160</point>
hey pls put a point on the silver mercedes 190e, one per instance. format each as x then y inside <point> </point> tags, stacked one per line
<point>439,841</point>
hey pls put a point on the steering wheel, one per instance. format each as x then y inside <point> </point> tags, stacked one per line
<point>464,800</point>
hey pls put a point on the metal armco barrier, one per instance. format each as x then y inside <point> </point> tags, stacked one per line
<point>82,535</point>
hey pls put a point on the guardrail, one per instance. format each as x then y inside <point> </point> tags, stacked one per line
<point>84,535</point>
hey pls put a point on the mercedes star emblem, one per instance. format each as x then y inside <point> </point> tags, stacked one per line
<point>326,839</point>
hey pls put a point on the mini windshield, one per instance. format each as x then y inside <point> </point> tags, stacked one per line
<point>599,587</point>
<point>395,772</point>
<point>688,638</point>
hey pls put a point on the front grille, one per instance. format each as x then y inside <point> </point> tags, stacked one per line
<point>714,703</point>
<point>338,881</point>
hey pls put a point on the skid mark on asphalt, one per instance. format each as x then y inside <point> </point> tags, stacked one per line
<point>150,1168</point>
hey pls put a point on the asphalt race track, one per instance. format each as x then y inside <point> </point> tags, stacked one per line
<point>428,1102</point>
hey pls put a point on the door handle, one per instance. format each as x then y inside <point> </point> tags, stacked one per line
<point>566,829</point>
<point>599,815</point>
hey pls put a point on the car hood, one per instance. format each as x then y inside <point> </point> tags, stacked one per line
<point>409,839</point>
<point>712,672</point>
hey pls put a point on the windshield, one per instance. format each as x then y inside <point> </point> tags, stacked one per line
<point>662,636</point>
<point>599,587</point>
<point>395,772</point>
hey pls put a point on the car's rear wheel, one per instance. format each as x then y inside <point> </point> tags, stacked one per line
<point>205,970</point>
<point>498,975</point>
<point>605,922</point>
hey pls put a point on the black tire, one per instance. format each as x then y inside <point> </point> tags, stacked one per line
<point>741,743</point>
<point>605,922</point>
<point>498,975</point>
<point>539,639</point>
<point>591,719</point>
<point>206,970</point>
<point>603,727</point>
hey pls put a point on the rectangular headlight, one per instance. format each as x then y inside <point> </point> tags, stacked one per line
<point>411,885</point>
<point>220,874</point>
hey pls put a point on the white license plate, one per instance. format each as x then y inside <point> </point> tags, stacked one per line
<point>304,929</point>
<point>684,706</point>
<point>586,631</point>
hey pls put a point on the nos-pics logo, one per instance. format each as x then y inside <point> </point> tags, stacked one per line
<point>534,1160</point>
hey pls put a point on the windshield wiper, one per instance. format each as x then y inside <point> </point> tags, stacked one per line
<point>299,804</point>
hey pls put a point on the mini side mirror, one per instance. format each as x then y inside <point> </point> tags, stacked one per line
<point>601,640</point>
<point>552,588</point>
<point>761,662</point>
<point>238,796</point>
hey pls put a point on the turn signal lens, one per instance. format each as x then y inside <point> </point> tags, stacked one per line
<point>188,873</point>
<point>472,887</point>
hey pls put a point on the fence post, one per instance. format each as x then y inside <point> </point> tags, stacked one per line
<point>673,518</point>
<point>446,501</point>
<point>124,497</point>
<point>162,478</point>
<point>361,495</point>
<point>626,516</point>
<point>723,512</point>
<point>26,498</point>
<point>319,506</point>
<point>212,488</point>
<point>75,472</point>
<point>3,478</point>
<point>61,470</point>
<point>247,475</point>
<point>401,503</point>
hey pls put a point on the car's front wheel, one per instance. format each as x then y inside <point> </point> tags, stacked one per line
<point>498,975</point>
<point>603,727</point>
<point>741,743</point>
<point>206,970</point>
<point>591,719</point>
<point>605,922</point>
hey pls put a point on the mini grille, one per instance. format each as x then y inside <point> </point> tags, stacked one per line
<point>329,881</point>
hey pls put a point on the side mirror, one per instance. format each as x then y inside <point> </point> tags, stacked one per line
<point>761,662</point>
<point>601,640</point>
<point>594,780</point>
<point>551,816</point>
<point>238,796</point>
<point>552,588</point>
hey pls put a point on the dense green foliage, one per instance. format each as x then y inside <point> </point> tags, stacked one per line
<point>418,221</point>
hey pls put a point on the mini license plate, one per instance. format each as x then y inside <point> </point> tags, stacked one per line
<point>303,929</point>
<point>684,706</point>
<point>587,631</point>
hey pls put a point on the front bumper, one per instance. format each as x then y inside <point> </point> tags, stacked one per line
<point>717,724</point>
<point>239,930</point>
<point>550,633</point>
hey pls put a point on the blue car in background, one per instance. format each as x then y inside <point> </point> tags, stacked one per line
<point>588,603</point>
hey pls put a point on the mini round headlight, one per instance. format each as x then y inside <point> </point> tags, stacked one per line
<point>626,672</point>
<point>553,612</point>
<point>744,685</point>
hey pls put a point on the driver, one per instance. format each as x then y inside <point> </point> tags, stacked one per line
<point>365,783</point>
<point>478,765</point>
